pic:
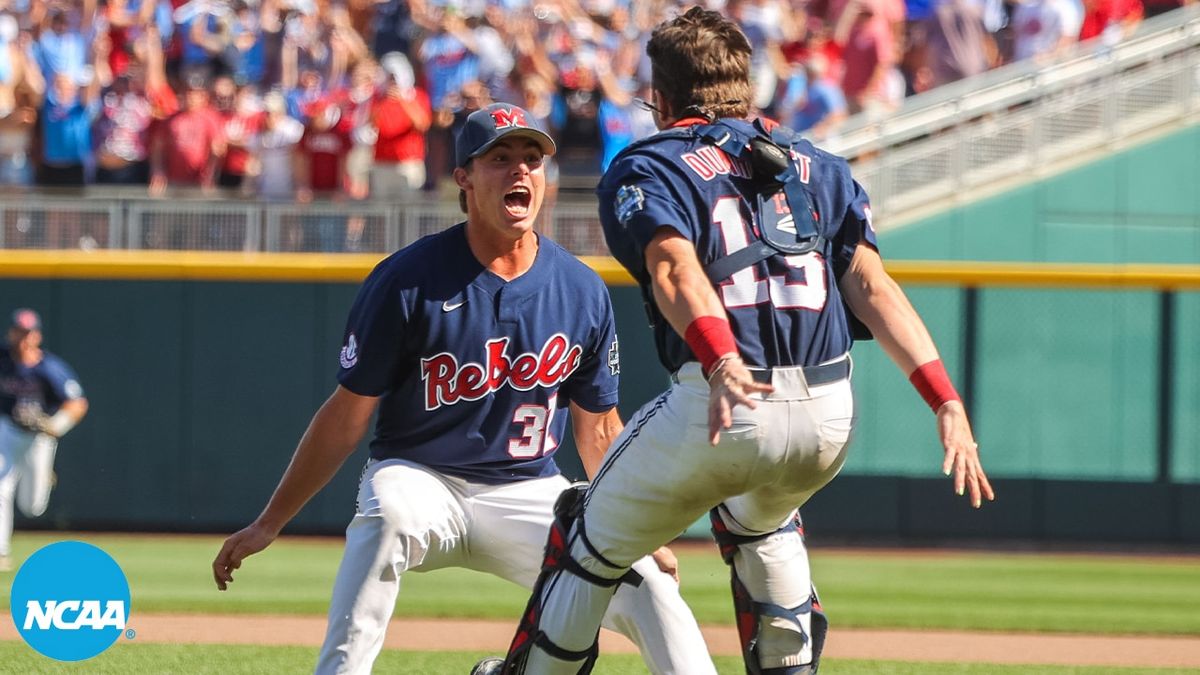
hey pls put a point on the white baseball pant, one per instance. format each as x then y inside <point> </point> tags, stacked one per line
<point>26,472</point>
<point>662,474</point>
<point>411,518</point>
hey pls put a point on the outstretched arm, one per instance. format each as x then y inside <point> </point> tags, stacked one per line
<point>331,437</point>
<point>877,300</point>
<point>687,300</point>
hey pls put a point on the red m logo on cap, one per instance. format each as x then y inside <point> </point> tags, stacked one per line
<point>512,117</point>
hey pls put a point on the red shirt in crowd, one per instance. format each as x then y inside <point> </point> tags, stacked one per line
<point>870,45</point>
<point>188,145</point>
<point>399,140</point>
<point>1099,14</point>
<point>238,129</point>
<point>326,152</point>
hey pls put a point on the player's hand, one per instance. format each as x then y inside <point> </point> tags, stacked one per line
<point>962,454</point>
<point>239,546</point>
<point>730,384</point>
<point>667,562</point>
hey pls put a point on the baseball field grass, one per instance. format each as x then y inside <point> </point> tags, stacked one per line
<point>125,659</point>
<point>952,590</point>
<point>1073,593</point>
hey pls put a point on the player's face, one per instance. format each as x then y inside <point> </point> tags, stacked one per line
<point>21,340</point>
<point>505,186</point>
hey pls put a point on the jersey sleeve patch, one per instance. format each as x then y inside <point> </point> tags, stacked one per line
<point>349,354</point>
<point>630,200</point>
<point>372,349</point>
<point>72,389</point>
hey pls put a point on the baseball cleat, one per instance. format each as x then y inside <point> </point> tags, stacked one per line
<point>492,665</point>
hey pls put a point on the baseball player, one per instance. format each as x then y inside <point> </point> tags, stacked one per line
<point>40,401</point>
<point>749,244</point>
<point>472,344</point>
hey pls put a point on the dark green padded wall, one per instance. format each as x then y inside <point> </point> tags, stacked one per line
<point>1066,379</point>
<point>1185,437</point>
<point>198,392</point>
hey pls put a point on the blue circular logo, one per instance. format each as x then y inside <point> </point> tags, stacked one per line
<point>70,601</point>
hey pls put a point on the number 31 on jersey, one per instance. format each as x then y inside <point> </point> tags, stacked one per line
<point>801,287</point>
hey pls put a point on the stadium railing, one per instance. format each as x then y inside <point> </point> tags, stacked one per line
<point>1029,118</point>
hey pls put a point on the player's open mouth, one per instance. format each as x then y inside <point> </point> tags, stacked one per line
<point>517,201</point>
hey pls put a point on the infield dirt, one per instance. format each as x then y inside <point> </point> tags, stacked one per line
<point>847,643</point>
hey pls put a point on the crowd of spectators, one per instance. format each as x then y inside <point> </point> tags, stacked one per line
<point>292,99</point>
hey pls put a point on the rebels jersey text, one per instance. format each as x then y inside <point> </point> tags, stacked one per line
<point>785,310</point>
<point>46,385</point>
<point>475,373</point>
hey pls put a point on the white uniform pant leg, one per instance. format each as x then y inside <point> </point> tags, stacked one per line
<point>509,527</point>
<point>655,617</point>
<point>9,474</point>
<point>14,446</point>
<point>8,485</point>
<point>656,480</point>
<point>37,475</point>
<point>776,569</point>
<point>406,516</point>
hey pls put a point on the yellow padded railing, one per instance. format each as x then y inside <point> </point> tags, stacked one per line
<point>223,266</point>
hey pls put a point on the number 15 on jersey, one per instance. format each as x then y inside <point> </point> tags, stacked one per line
<point>802,286</point>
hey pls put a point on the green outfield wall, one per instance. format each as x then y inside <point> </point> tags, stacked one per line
<point>1089,420</point>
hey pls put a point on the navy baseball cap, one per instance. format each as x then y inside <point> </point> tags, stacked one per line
<point>26,319</point>
<point>486,126</point>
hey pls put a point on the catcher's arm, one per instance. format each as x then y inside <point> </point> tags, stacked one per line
<point>877,300</point>
<point>688,301</point>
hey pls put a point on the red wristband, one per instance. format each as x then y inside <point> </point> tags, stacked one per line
<point>710,338</point>
<point>933,383</point>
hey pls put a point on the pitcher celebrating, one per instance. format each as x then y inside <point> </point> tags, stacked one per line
<point>472,343</point>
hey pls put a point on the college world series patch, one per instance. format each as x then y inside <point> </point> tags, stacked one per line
<point>630,200</point>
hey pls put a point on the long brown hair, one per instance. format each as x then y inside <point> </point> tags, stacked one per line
<point>700,62</point>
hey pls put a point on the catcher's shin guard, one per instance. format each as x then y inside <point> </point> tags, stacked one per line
<point>566,541</point>
<point>753,616</point>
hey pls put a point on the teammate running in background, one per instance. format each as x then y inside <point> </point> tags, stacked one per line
<point>40,401</point>
<point>472,343</point>
<point>746,240</point>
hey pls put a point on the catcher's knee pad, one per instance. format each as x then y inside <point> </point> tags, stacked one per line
<point>567,551</point>
<point>789,630</point>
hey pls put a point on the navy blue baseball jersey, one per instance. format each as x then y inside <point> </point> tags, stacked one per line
<point>785,310</point>
<point>475,372</point>
<point>48,384</point>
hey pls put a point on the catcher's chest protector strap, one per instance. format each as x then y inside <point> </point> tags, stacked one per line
<point>791,230</point>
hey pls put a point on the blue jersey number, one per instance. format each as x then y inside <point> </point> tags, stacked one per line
<point>801,287</point>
